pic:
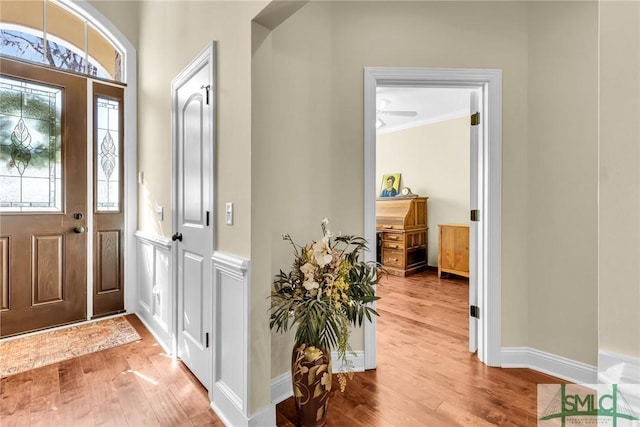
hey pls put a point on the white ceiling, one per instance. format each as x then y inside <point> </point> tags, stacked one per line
<point>431,104</point>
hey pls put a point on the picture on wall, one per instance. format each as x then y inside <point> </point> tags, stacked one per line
<point>390,185</point>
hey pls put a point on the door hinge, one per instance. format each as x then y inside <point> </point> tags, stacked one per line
<point>474,311</point>
<point>206,88</point>
<point>475,119</point>
<point>475,215</point>
<point>207,219</point>
<point>206,340</point>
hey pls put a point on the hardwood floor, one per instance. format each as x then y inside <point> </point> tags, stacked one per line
<point>425,377</point>
<point>425,374</point>
<point>131,385</point>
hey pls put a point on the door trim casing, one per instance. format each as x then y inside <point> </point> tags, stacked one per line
<point>489,283</point>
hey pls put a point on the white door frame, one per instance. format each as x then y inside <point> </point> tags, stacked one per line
<point>490,226</point>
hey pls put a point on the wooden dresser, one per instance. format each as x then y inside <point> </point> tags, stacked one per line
<point>453,249</point>
<point>402,226</point>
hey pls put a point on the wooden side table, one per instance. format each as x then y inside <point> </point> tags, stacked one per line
<point>453,249</point>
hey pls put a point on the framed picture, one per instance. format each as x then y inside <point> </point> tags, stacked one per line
<point>390,185</point>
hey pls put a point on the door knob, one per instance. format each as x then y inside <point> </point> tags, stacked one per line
<point>78,230</point>
<point>177,236</point>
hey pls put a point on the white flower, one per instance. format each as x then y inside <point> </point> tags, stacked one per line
<point>322,252</point>
<point>308,270</point>
<point>308,285</point>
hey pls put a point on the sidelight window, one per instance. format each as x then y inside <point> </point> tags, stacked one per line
<point>107,152</point>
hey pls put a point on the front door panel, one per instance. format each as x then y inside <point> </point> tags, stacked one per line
<point>43,183</point>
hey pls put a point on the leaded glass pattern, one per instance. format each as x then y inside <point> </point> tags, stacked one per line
<point>107,155</point>
<point>30,147</point>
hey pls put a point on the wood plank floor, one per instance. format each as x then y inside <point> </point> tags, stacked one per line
<point>425,377</point>
<point>131,385</point>
<point>425,374</point>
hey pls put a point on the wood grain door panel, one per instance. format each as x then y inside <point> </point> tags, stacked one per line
<point>42,257</point>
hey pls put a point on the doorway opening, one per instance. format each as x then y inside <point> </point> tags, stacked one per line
<point>485,173</point>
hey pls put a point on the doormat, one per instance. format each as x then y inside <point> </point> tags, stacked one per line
<point>30,352</point>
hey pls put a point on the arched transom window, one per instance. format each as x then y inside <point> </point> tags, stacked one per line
<point>49,32</point>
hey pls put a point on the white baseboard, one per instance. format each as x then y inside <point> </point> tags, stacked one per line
<point>281,388</point>
<point>158,338</point>
<point>616,368</point>
<point>232,417</point>
<point>551,364</point>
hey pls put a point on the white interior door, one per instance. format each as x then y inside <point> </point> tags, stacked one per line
<point>193,115</point>
<point>475,187</point>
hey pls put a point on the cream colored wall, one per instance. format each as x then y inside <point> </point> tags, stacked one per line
<point>388,35</point>
<point>619,179</point>
<point>561,236</point>
<point>124,15</point>
<point>547,53</point>
<point>172,33</point>
<point>434,162</point>
<point>320,115</point>
<point>293,175</point>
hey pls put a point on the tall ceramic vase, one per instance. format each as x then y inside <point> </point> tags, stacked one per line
<point>311,377</point>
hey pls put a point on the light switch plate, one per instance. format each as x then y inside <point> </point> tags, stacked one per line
<point>229,213</point>
<point>160,213</point>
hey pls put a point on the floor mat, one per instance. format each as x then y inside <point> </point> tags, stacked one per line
<point>30,352</point>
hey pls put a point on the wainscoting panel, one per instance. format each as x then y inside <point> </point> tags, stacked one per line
<point>230,390</point>
<point>155,298</point>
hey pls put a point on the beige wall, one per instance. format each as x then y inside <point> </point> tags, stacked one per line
<point>434,162</point>
<point>172,33</point>
<point>125,15</point>
<point>293,177</point>
<point>547,53</point>
<point>619,178</point>
<point>561,234</point>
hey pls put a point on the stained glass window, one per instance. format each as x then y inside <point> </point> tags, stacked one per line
<point>107,155</point>
<point>30,147</point>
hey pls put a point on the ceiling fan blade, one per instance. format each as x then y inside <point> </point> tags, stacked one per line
<point>399,113</point>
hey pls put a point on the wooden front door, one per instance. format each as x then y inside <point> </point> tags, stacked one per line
<point>43,190</point>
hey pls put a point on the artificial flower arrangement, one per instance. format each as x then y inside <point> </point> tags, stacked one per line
<point>327,290</point>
